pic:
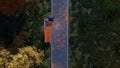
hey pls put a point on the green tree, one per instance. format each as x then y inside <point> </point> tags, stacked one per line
<point>94,34</point>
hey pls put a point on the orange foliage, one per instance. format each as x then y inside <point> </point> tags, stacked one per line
<point>66,14</point>
<point>20,39</point>
<point>9,7</point>
<point>53,65</point>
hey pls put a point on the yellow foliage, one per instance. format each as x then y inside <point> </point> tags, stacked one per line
<point>25,58</point>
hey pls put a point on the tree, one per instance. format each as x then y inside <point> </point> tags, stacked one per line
<point>95,34</point>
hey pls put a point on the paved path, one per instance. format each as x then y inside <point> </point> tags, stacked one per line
<point>59,47</point>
